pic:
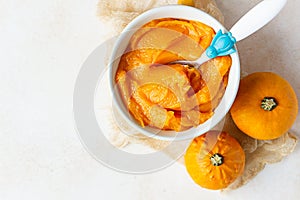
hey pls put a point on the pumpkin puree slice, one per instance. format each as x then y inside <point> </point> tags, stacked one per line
<point>160,95</point>
<point>181,26</point>
<point>156,38</point>
<point>136,58</point>
<point>150,101</point>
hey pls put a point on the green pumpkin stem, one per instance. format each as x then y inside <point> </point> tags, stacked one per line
<point>217,159</point>
<point>268,103</point>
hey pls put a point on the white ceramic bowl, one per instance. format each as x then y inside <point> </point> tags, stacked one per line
<point>172,11</point>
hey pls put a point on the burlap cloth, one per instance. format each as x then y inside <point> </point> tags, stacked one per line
<point>258,152</point>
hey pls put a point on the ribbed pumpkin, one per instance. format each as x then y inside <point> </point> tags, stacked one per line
<point>214,160</point>
<point>186,2</point>
<point>266,106</point>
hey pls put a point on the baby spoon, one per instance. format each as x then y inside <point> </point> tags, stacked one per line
<point>223,43</point>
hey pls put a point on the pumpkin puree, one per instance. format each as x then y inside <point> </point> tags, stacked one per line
<point>171,96</point>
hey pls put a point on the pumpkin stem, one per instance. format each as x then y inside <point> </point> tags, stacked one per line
<point>217,159</point>
<point>268,103</point>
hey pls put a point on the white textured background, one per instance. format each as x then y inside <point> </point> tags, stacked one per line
<point>42,46</point>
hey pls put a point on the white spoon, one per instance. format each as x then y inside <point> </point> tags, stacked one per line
<point>223,43</point>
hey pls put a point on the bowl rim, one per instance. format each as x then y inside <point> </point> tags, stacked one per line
<point>227,99</point>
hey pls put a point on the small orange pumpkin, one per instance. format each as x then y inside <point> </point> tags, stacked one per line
<point>186,2</point>
<point>266,106</point>
<point>214,160</point>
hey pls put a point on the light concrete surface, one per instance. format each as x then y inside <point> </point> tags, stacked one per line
<point>43,45</point>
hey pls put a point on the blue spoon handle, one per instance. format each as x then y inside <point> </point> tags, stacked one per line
<point>221,45</point>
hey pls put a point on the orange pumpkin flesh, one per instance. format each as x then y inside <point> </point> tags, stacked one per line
<point>214,160</point>
<point>265,107</point>
<point>171,96</point>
